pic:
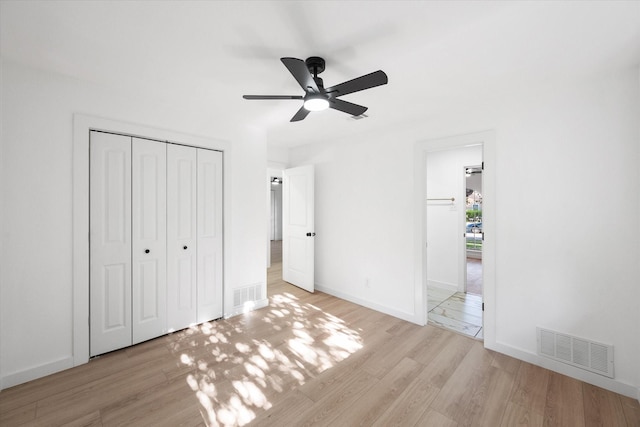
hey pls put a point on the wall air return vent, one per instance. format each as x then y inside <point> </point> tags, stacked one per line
<point>581,353</point>
<point>247,294</point>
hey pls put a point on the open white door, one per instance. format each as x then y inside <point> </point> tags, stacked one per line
<point>298,227</point>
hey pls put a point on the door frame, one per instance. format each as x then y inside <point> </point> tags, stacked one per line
<point>421,150</point>
<point>82,125</point>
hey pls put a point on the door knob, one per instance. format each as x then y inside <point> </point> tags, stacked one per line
<point>146,251</point>
<point>311,234</point>
<point>184,247</point>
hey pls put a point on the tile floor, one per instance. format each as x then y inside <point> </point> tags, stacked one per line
<point>457,311</point>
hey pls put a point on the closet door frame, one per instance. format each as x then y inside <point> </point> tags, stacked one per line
<point>82,126</point>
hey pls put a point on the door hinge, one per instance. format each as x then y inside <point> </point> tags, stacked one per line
<point>482,306</point>
<point>482,166</point>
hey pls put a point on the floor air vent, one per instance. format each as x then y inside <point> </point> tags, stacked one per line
<point>585,354</point>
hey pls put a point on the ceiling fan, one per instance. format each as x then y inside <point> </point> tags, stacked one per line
<point>317,97</point>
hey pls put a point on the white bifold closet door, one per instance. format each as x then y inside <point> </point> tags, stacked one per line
<point>209,235</point>
<point>181,236</point>
<point>194,244</point>
<point>149,242</point>
<point>110,242</point>
<point>155,239</point>
<point>128,282</point>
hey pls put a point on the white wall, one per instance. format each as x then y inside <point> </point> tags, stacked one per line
<point>579,269</point>
<point>445,220</point>
<point>277,157</point>
<point>36,198</point>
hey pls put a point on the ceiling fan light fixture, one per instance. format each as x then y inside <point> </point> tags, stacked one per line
<point>316,97</point>
<point>316,103</point>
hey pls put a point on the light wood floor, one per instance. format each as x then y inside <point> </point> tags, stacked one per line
<point>312,359</point>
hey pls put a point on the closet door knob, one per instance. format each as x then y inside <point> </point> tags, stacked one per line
<point>146,251</point>
<point>184,247</point>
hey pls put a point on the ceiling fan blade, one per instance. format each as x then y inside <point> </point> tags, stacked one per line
<point>346,107</point>
<point>377,78</point>
<point>272,97</point>
<point>299,69</point>
<point>300,115</point>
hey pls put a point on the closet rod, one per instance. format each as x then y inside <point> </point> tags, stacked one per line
<point>451,199</point>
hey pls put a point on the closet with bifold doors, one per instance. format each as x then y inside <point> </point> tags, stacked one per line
<point>155,241</point>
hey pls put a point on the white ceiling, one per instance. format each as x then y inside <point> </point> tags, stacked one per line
<point>206,54</point>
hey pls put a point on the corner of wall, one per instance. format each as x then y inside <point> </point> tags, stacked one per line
<point>409,317</point>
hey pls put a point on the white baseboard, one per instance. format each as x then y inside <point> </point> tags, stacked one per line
<point>36,372</point>
<point>568,370</point>
<point>235,311</point>
<point>409,317</point>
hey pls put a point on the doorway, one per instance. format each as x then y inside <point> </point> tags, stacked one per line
<point>473,230</point>
<point>275,220</point>
<point>454,239</point>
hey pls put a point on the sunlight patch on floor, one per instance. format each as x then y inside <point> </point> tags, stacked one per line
<point>305,341</point>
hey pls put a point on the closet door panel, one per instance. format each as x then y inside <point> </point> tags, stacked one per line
<point>181,236</point>
<point>149,216</point>
<point>110,242</point>
<point>209,240</point>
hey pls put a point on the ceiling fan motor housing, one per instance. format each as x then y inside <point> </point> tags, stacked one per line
<point>315,64</point>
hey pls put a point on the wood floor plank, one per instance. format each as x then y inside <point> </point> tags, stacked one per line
<point>434,340</point>
<point>136,408</point>
<point>530,389</point>
<point>448,359</point>
<point>413,402</point>
<point>564,402</point>
<point>89,420</point>
<point>631,409</point>
<point>433,418</point>
<point>506,363</point>
<point>38,389</point>
<point>341,398</point>
<point>85,399</point>
<point>489,402</point>
<point>326,382</point>
<point>602,407</point>
<point>297,404</point>
<point>370,406</point>
<point>519,416</point>
<point>390,352</point>
<point>453,400</point>
<point>19,415</point>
